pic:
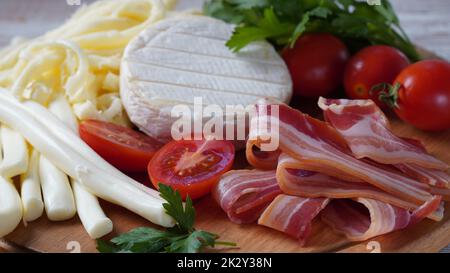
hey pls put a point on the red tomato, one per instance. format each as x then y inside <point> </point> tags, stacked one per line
<point>424,95</point>
<point>371,66</point>
<point>124,148</point>
<point>316,64</point>
<point>192,167</point>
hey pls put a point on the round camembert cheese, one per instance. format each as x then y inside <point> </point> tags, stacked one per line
<point>182,58</point>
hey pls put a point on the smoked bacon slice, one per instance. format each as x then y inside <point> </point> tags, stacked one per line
<point>367,132</point>
<point>292,215</point>
<point>299,182</point>
<point>363,218</point>
<point>315,143</point>
<point>244,194</point>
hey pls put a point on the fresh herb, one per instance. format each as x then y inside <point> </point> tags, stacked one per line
<point>282,22</point>
<point>182,238</point>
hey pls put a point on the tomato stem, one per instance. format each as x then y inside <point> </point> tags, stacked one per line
<point>388,93</point>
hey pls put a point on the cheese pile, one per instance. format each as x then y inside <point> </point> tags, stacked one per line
<point>74,72</point>
<point>80,59</point>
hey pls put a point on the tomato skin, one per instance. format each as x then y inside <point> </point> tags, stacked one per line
<point>196,180</point>
<point>316,64</point>
<point>371,66</point>
<point>122,147</point>
<point>424,95</point>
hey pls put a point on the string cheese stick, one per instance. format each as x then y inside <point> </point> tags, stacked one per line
<point>75,158</point>
<point>58,197</point>
<point>15,153</point>
<point>59,130</point>
<point>10,207</point>
<point>76,56</point>
<point>94,220</point>
<point>30,186</point>
<point>61,109</point>
<point>10,203</point>
<point>91,214</point>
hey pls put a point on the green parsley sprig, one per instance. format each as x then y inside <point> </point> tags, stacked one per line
<point>282,22</point>
<point>182,238</point>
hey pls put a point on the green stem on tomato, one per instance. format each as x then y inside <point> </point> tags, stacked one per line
<point>388,93</point>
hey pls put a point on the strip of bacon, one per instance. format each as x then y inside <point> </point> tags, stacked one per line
<point>244,194</point>
<point>314,142</point>
<point>366,218</point>
<point>294,180</point>
<point>367,132</point>
<point>292,215</point>
<point>434,178</point>
<point>259,159</point>
<point>445,193</point>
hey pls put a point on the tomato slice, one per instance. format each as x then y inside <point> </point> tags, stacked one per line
<point>192,167</point>
<point>125,148</point>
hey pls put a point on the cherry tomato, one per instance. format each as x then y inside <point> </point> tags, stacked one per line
<point>316,64</point>
<point>192,167</point>
<point>124,148</point>
<point>424,95</point>
<point>371,66</point>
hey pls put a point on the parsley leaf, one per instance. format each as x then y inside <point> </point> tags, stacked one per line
<point>268,27</point>
<point>105,247</point>
<point>223,11</point>
<point>181,238</point>
<point>184,215</point>
<point>249,4</point>
<point>320,12</point>
<point>193,243</point>
<point>143,240</point>
<point>282,22</point>
<point>387,12</point>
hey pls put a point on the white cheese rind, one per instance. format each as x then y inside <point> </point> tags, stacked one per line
<point>180,58</point>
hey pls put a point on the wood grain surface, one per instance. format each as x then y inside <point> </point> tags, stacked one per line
<point>427,25</point>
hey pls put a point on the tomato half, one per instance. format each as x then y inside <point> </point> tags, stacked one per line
<point>316,64</point>
<point>371,66</point>
<point>424,95</point>
<point>192,167</point>
<point>124,148</point>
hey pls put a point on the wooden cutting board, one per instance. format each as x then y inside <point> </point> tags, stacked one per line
<point>428,236</point>
<point>45,236</point>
